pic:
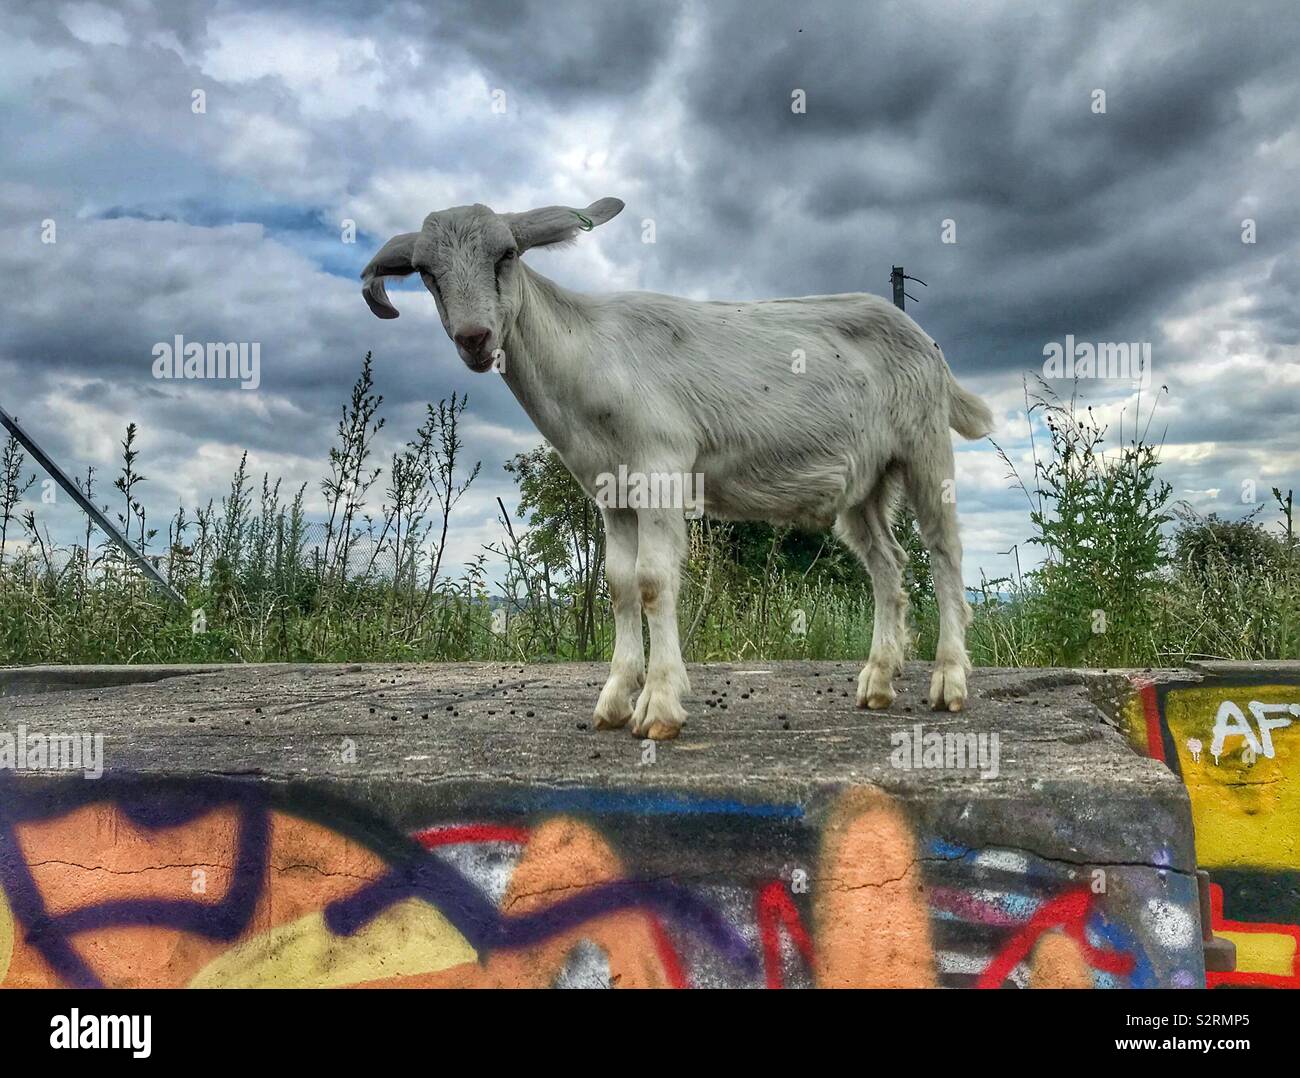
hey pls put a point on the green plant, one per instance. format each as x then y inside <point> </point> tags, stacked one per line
<point>372,583</point>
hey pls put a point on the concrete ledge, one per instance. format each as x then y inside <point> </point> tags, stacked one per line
<point>462,824</point>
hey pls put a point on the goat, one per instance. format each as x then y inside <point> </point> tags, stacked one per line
<point>807,411</point>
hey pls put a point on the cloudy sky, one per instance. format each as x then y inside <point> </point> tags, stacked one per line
<point>226,224</point>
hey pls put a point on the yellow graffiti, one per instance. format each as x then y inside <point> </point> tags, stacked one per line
<point>1263,952</point>
<point>1133,722</point>
<point>1245,804</point>
<point>6,935</point>
<point>408,939</point>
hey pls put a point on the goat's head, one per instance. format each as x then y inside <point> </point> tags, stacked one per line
<point>468,258</point>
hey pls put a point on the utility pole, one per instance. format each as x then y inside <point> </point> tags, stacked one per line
<point>93,511</point>
<point>896,278</point>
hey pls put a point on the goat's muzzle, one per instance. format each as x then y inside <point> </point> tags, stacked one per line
<point>475,347</point>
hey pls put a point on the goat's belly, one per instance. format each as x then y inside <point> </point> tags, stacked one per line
<point>808,518</point>
<point>810,496</point>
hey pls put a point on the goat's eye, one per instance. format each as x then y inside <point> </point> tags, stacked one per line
<point>508,256</point>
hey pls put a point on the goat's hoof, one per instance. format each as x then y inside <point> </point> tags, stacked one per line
<point>662,731</point>
<point>659,714</point>
<point>875,688</point>
<point>614,708</point>
<point>948,687</point>
<point>606,721</point>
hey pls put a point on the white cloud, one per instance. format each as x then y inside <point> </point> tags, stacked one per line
<point>331,73</point>
<point>94,24</point>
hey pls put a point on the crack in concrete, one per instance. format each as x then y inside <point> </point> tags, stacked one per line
<point>836,883</point>
<point>208,865</point>
<point>1001,847</point>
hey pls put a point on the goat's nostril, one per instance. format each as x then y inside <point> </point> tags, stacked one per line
<point>473,340</point>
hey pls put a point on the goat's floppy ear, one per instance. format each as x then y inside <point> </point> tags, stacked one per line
<point>558,224</point>
<point>393,260</point>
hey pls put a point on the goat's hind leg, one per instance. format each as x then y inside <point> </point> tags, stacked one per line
<point>627,670</point>
<point>866,529</point>
<point>929,488</point>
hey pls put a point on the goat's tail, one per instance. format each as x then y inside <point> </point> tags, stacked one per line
<point>967,414</point>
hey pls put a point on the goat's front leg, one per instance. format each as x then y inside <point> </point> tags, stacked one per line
<point>627,671</point>
<point>661,545</point>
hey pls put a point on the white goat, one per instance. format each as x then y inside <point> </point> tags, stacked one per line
<point>804,411</point>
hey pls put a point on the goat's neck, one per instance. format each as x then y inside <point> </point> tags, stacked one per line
<point>547,354</point>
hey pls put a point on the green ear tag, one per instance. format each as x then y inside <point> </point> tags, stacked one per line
<point>587,223</point>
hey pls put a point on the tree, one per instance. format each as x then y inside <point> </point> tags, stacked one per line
<point>12,486</point>
<point>565,537</point>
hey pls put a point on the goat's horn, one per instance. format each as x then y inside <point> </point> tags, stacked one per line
<point>392,260</point>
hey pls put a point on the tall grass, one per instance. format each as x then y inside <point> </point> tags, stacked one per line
<point>1127,579</point>
<point>1116,587</point>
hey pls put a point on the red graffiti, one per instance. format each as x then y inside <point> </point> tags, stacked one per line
<point>1247,977</point>
<point>433,837</point>
<point>1069,913</point>
<point>775,910</point>
<point>1151,714</point>
<point>668,957</point>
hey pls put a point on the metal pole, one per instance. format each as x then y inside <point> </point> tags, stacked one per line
<point>101,521</point>
<point>897,278</point>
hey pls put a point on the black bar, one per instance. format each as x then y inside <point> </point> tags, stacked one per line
<point>364,1027</point>
<point>101,521</point>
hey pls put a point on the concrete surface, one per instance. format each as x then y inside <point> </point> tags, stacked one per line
<point>777,841</point>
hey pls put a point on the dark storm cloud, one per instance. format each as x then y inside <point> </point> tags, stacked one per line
<point>1064,218</point>
<point>567,51</point>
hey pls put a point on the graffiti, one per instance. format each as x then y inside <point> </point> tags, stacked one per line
<point>1235,743</point>
<point>229,882</point>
